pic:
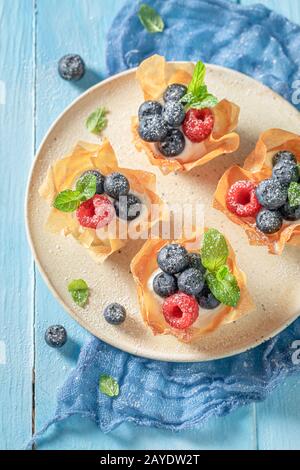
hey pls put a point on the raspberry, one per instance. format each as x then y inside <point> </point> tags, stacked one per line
<point>198,124</point>
<point>180,310</point>
<point>96,212</point>
<point>241,199</point>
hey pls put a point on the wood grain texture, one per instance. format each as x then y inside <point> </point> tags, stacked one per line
<point>16,294</point>
<point>62,26</point>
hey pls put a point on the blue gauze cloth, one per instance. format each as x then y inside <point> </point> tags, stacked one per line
<point>178,396</point>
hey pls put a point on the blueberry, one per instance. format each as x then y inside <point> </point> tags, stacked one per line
<point>114,314</point>
<point>195,262</point>
<point>271,194</point>
<point>173,144</point>
<point>206,299</point>
<point>56,336</point>
<point>71,67</point>
<point>174,92</point>
<point>285,171</point>
<point>173,113</point>
<point>290,213</point>
<point>268,221</point>
<point>284,155</point>
<point>191,281</point>
<point>153,129</point>
<point>99,180</point>
<point>116,185</point>
<point>128,207</point>
<point>149,108</point>
<point>165,284</point>
<point>173,258</point>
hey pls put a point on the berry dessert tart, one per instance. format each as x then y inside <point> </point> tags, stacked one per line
<point>181,125</point>
<point>95,201</point>
<point>264,196</point>
<point>186,288</point>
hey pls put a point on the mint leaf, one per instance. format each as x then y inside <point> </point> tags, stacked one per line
<point>86,185</point>
<point>79,291</point>
<point>109,386</point>
<point>197,79</point>
<point>197,95</point>
<point>67,201</point>
<point>150,19</point>
<point>97,121</point>
<point>209,101</point>
<point>224,286</point>
<point>214,252</point>
<point>294,194</point>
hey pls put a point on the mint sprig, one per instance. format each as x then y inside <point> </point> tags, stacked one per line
<point>150,19</point>
<point>79,291</point>
<point>220,280</point>
<point>109,386</point>
<point>214,252</point>
<point>68,200</point>
<point>294,194</point>
<point>97,120</point>
<point>224,286</point>
<point>197,95</point>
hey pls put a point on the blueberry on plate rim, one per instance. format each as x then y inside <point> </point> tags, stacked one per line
<point>114,313</point>
<point>173,258</point>
<point>71,67</point>
<point>56,336</point>
<point>165,284</point>
<point>116,185</point>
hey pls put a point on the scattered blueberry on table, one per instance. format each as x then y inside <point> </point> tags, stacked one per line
<point>71,67</point>
<point>56,336</point>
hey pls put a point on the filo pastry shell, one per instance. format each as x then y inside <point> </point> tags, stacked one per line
<point>143,267</point>
<point>257,167</point>
<point>154,75</point>
<point>63,175</point>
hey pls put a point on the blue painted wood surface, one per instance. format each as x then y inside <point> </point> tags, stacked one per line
<point>42,31</point>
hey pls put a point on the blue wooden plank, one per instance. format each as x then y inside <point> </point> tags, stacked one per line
<point>278,416</point>
<point>16,301</point>
<point>82,29</point>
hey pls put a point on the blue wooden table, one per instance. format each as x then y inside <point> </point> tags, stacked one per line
<point>34,34</point>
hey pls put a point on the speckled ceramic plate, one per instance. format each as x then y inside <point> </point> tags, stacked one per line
<point>273,281</point>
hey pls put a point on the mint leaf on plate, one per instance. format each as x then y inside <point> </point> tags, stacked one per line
<point>86,185</point>
<point>97,121</point>
<point>67,201</point>
<point>150,19</point>
<point>224,286</point>
<point>214,252</point>
<point>294,194</point>
<point>109,386</point>
<point>79,291</point>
